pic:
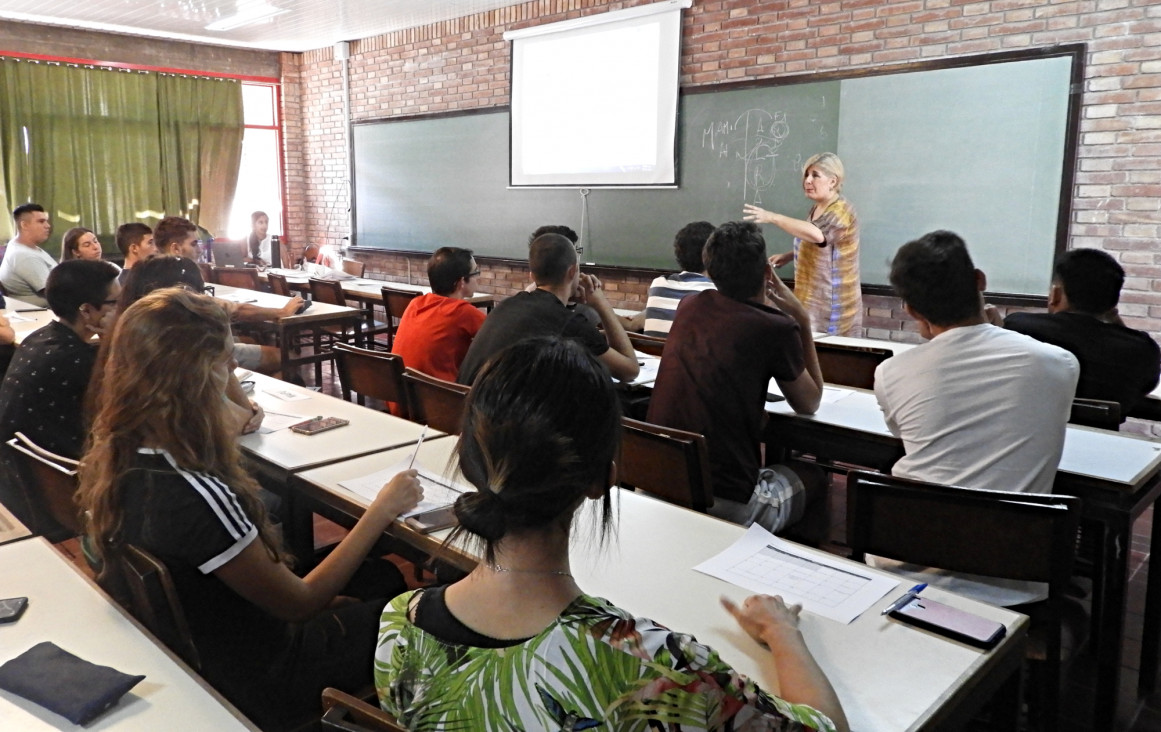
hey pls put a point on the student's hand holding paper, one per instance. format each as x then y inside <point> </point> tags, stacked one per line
<point>397,497</point>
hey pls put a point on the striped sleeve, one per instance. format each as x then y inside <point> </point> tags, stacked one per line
<point>223,504</point>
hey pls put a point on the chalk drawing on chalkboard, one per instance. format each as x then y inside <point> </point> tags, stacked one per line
<point>753,139</point>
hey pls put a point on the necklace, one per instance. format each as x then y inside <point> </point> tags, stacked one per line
<point>498,568</point>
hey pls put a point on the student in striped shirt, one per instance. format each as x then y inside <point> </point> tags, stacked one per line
<point>665,293</point>
<point>163,473</point>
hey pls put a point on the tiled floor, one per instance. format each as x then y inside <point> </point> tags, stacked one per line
<point>1133,716</point>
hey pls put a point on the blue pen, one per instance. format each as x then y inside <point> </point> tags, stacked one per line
<point>906,598</point>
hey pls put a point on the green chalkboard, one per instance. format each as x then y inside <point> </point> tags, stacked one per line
<point>983,146</point>
<point>421,184</point>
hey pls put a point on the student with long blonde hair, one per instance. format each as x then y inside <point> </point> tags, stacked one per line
<point>163,472</point>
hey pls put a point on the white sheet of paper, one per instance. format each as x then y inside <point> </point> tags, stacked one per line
<point>14,317</point>
<point>831,394</point>
<point>761,562</point>
<point>237,297</point>
<point>272,422</point>
<point>647,373</point>
<point>286,395</point>
<point>438,490</point>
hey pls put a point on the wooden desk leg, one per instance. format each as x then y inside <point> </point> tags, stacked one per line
<point>1114,573</point>
<point>1151,637</point>
<point>285,335</point>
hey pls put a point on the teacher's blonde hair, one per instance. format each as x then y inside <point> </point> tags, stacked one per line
<point>829,164</point>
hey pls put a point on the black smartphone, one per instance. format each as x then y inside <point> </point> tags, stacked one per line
<point>433,520</point>
<point>306,303</point>
<point>12,608</point>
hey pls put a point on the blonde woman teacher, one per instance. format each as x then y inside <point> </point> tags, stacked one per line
<point>826,249</point>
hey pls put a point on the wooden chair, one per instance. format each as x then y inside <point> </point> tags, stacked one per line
<point>395,302</point>
<point>331,292</point>
<point>1096,413</point>
<point>653,345</point>
<point>244,277</point>
<point>279,284</point>
<point>1021,536</point>
<point>669,463</point>
<point>154,601</point>
<point>354,267</point>
<point>371,374</point>
<point>346,713</point>
<point>850,365</point>
<point>48,483</point>
<point>434,401</point>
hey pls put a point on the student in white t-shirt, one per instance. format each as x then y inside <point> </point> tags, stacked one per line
<point>977,406</point>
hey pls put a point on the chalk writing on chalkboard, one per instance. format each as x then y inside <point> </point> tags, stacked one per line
<point>749,145</point>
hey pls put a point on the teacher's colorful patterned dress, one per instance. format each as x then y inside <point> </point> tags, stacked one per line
<point>826,277</point>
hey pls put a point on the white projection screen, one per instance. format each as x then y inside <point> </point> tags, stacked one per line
<point>594,99</point>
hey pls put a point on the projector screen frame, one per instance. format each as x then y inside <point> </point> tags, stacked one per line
<point>666,126</point>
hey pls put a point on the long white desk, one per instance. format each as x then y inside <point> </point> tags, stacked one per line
<point>370,290</point>
<point>283,452</point>
<point>25,317</point>
<point>318,315</point>
<point>280,453</point>
<point>66,608</point>
<point>1116,475</point>
<point>889,676</point>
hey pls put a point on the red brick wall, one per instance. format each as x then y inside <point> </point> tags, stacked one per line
<point>463,64</point>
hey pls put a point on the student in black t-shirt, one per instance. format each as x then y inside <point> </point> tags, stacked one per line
<point>163,472</point>
<point>1117,363</point>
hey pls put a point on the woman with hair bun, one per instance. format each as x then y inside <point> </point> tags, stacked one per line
<point>826,249</point>
<point>517,645</point>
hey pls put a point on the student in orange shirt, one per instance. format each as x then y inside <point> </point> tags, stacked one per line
<point>436,329</point>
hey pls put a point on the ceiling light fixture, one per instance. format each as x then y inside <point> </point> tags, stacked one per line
<point>248,13</point>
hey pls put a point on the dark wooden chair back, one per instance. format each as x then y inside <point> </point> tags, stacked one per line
<point>850,365</point>
<point>154,601</point>
<point>243,277</point>
<point>48,486</point>
<point>395,302</point>
<point>374,374</point>
<point>279,284</point>
<point>653,345</point>
<point>1096,413</point>
<point>345,713</point>
<point>669,463</point>
<point>327,291</point>
<point>1019,536</point>
<point>434,401</point>
<point>354,267</point>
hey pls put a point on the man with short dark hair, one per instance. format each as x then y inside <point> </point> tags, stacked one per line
<point>667,291</point>
<point>437,328</point>
<point>725,346</point>
<point>135,240</point>
<point>25,266</point>
<point>977,406</point>
<point>553,261</point>
<point>1117,363</point>
<point>177,236</point>
<point>43,393</point>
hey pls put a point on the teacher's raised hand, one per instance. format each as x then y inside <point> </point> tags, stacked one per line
<point>759,215</point>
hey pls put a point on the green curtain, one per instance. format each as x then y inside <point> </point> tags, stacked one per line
<point>201,127</point>
<point>101,147</point>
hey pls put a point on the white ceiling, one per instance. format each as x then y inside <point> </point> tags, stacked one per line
<point>307,24</point>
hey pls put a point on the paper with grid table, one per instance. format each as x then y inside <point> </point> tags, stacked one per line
<point>833,588</point>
